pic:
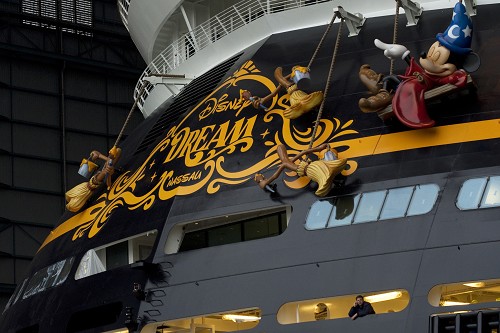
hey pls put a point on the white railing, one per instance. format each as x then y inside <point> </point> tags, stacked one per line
<point>123,10</point>
<point>217,27</point>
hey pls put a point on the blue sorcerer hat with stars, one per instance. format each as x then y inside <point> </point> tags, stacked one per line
<point>458,37</point>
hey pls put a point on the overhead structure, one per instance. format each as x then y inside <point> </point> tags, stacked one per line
<point>412,10</point>
<point>470,6</point>
<point>354,22</point>
<point>170,81</point>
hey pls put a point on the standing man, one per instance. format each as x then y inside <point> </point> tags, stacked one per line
<point>360,308</point>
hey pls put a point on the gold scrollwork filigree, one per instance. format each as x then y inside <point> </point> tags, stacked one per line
<point>205,150</point>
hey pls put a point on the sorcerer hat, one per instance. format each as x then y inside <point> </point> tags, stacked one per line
<point>458,37</point>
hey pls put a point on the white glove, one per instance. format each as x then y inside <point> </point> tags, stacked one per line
<point>392,51</point>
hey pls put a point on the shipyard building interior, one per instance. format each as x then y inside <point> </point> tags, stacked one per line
<point>67,73</point>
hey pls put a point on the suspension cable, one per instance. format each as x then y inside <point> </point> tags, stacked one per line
<point>395,33</point>
<point>328,81</point>
<point>320,44</point>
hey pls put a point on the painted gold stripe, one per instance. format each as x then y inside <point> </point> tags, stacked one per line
<point>429,137</point>
<point>371,145</point>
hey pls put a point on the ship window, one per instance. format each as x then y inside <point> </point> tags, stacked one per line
<point>89,265</point>
<point>227,321</point>
<point>343,210</point>
<point>223,235</point>
<point>372,206</point>
<point>423,199</point>
<point>479,193</point>
<point>337,307</point>
<point>491,196</point>
<point>15,296</point>
<point>465,293</point>
<point>398,199</point>
<point>117,255</point>
<point>48,277</point>
<point>369,207</point>
<point>120,253</point>
<point>251,229</point>
<point>470,194</point>
<point>319,214</point>
<point>227,229</point>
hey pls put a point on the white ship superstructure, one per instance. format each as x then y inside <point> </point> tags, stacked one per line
<point>186,38</point>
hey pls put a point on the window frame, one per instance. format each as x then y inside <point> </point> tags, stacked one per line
<point>177,233</point>
<point>480,197</point>
<point>357,203</point>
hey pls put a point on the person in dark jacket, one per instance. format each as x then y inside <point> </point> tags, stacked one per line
<point>360,308</point>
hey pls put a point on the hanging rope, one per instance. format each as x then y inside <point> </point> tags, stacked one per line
<point>137,101</point>
<point>320,44</point>
<point>129,115</point>
<point>328,81</point>
<point>80,194</point>
<point>395,33</point>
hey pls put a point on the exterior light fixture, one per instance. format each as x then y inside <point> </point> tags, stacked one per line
<point>240,318</point>
<point>453,303</point>
<point>383,297</point>
<point>475,284</point>
<point>130,321</point>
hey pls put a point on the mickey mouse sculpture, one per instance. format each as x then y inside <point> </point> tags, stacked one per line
<point>446,62</point>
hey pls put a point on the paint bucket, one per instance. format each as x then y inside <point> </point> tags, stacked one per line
<point>329,156</point>
<point>301,77</point>
<point>87,168</point>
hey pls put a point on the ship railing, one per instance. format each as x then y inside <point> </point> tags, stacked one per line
<point>232,18</point>
<point>123,6</point>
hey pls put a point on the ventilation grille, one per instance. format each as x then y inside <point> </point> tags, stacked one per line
<point>483,320</point>
<point>77,12</point>
<point>189,97</point>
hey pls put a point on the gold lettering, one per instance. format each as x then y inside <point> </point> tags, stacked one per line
<point>184,178</point>
<point>177,144</point>
<point>171,182</point>
<point>195,154</point>
<point>223,98</point>
<point>242,129</point>
<point>219,137</point>
<point>222,106</point>
<point>208,109</point>
<point>187,144</point>
<point>234,104</point>
<point>193,175</point>
<point>202,137</point>
<point>241,106</point>
<point>212,105</point>
<point>192,144</point>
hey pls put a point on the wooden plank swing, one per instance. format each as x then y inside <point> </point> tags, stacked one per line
<point>432,95</point>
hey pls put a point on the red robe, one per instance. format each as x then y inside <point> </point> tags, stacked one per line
<point>408,103</point>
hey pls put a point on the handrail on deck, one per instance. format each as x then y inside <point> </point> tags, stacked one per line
<point>217,27</point>
<point>123,6</point>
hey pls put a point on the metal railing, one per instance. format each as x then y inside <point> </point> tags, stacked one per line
<point>123,10</point>
<point>217,27</point>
